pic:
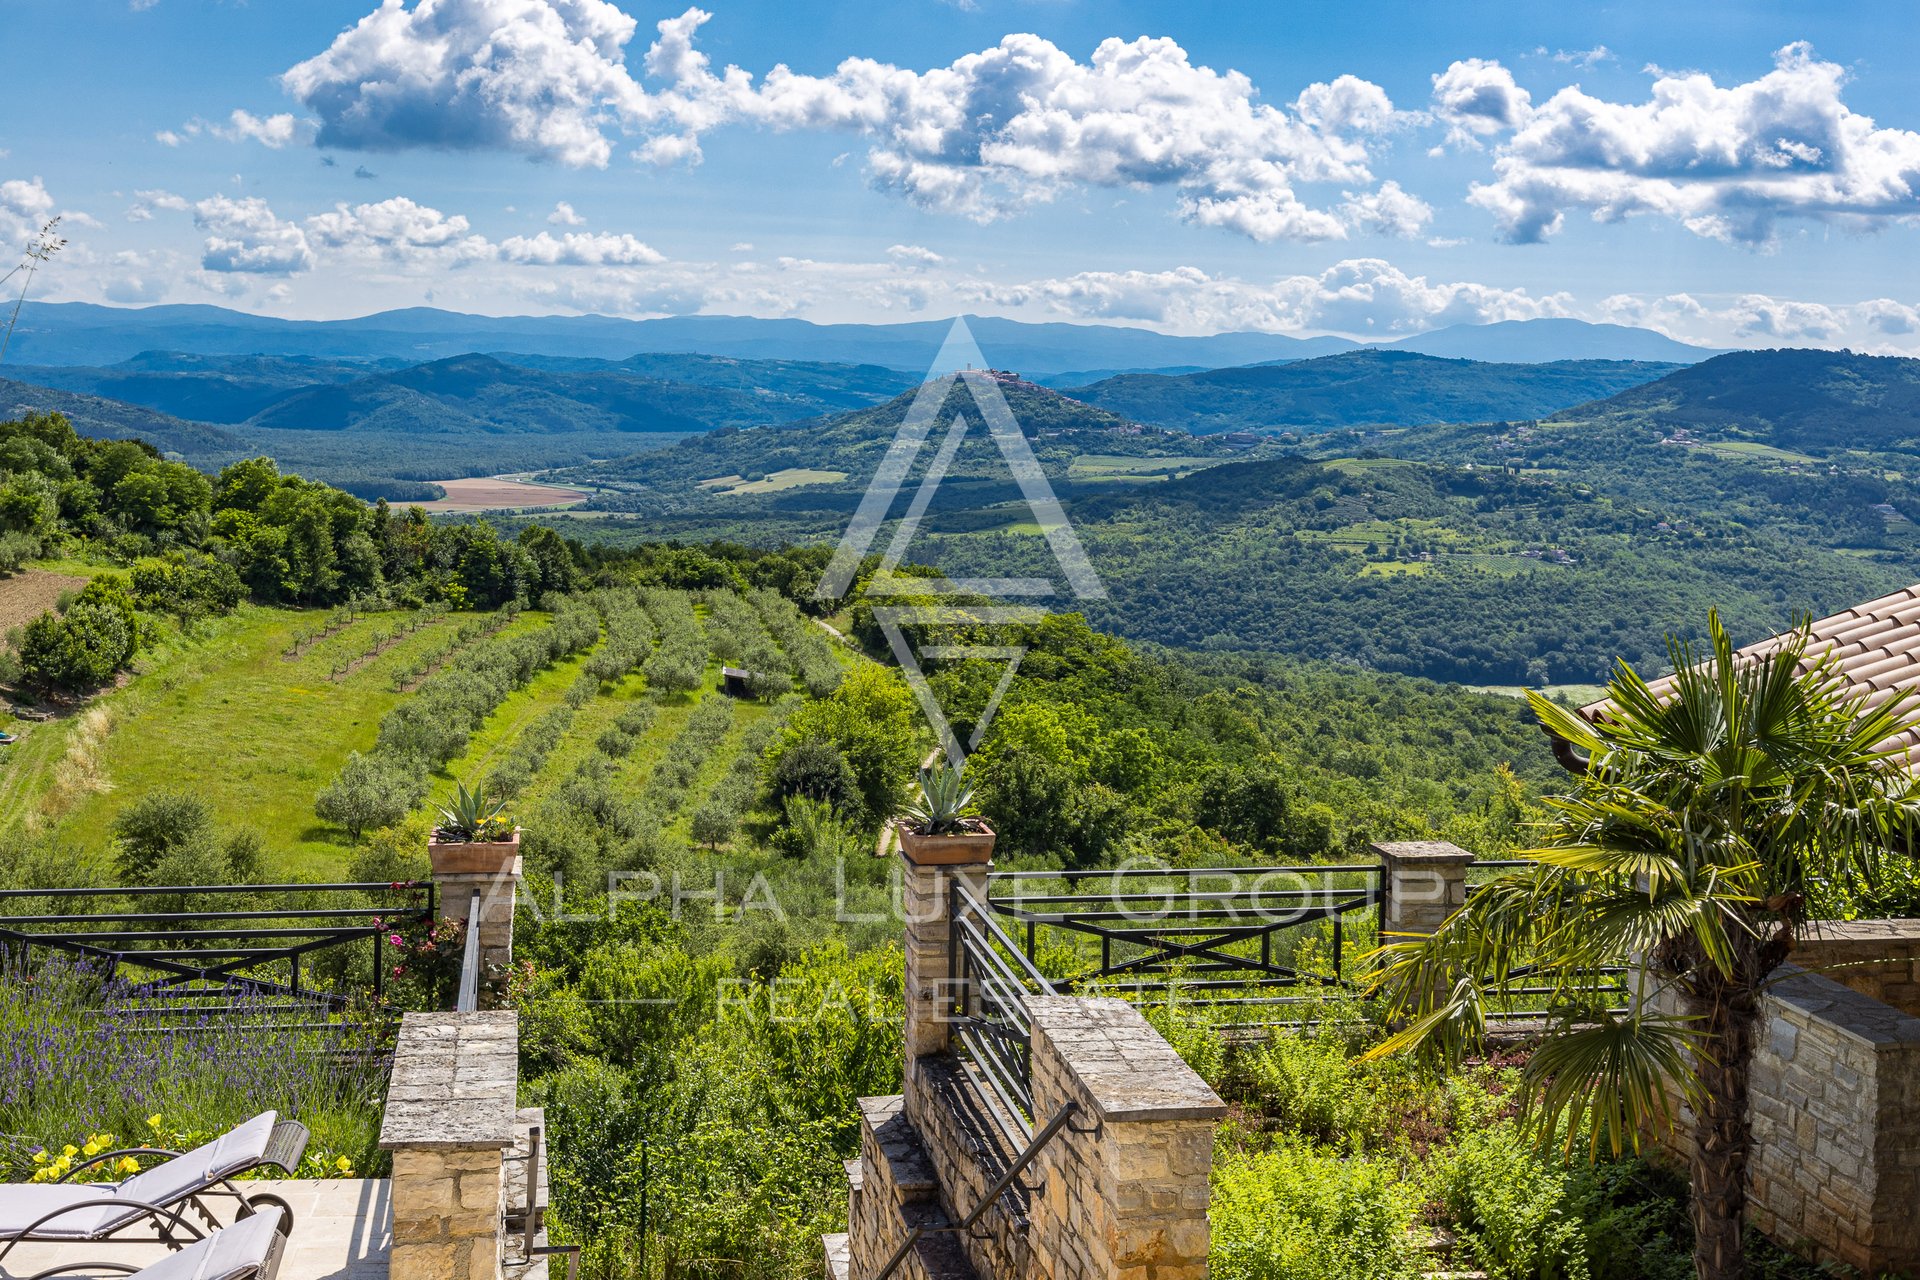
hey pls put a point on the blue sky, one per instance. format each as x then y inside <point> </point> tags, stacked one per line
<point>1739,174</point>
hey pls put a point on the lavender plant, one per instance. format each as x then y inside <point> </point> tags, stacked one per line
<point>82,1058</point>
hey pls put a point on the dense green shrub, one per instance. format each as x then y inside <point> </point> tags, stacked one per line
<point>186,584</point>
<point>169,838</point>
<point>371,791</point>
<point>871,720</point>
<point>1299,1212</point>
<point>82,645</point>
<point>1522,1213</point>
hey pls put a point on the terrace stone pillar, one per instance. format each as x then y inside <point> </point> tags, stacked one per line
<point>494,872</point>
<point>449,1123</point>
<point>1125,1185</point>
<point>1425,881</point>
<point>927,877</point>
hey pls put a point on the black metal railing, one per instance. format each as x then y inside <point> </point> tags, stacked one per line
<point>1228,939</point>
<point>1604,987</point>
<point>990,981</point>
<point>216,940</point>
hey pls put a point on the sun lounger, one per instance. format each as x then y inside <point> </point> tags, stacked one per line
<point>102,1211</point>
<point>248,1250</point>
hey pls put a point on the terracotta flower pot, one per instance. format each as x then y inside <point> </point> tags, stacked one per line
<point>473,857</point>
<point>961,848</point>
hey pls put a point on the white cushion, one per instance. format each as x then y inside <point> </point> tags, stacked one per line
<point>24,1204</point>
<point>228,1254</point>
<point>233,1151</point>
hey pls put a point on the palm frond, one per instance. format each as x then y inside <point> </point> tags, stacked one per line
<point>1612,1078</point>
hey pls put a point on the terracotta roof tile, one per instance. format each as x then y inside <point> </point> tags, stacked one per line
<point>1877,648</point>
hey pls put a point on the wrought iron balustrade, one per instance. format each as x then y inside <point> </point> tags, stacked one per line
<point>990,981</point>
<point>1226,938</point>
<point>247,943</point>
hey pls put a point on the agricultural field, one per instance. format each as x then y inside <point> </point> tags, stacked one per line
<point>255,713</point>
<point>502,493</point>
<point>1103,468</point>
<point>26,595</point>
<point>774,482</point>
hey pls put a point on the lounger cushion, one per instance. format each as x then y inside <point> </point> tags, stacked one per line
<point>232,1152</point>
<point>239,1250</point>
<point>21,1206</point>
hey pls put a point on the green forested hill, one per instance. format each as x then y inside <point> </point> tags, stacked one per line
<point>1456,573</point>
<point>220,389</point>
<point>483,394</point>
<point>1497,553</point>
<point>1362,387</point>
<point>825,464</point>
<point>200,444</point>
<point>1812,401</point>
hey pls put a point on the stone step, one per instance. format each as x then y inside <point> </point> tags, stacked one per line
<point>894,1190</point>
<point>905,1167</point>
<point>839,1259</point>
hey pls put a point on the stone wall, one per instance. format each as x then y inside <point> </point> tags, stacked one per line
<point>970,1144</point>
<point>1835,1169</point>
<point>1877,958</point>
<point>1422,883</point>
<point>894,1191</point>
<point>1126,1185</point>
<point>450,1122</point>
<point>1119,1193</point>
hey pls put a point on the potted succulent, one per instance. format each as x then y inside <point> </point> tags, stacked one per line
<point>940,826</point>
<point>473,836</point>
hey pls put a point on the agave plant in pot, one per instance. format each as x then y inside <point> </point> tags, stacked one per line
<point>473,836</point>
<point>940,825</point>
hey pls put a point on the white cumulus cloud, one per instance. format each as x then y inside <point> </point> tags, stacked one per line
<point>246,237</point>
<point>579,249</point>
<point>274,132</point>
<point>564,216</point>
<point>543,78</point>
<point>24,205</point>
<point>146,202</point>
<point>982,137</point>
<point>1475,97</point>
<point>1730,163</point>
<point>399,230</point>
<point>912,255</point>
<point>1366,297</point>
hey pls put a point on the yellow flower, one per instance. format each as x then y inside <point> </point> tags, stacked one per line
<point>129,1165</point>
<point>343,1165</point>
<point>71,1151</point>
<point>91,1149</point>
<point>153,1121</point>
<point>40,1157</point>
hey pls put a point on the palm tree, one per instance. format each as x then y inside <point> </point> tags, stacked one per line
<point>1715,812</point>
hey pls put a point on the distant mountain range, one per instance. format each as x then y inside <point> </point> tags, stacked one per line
<point>1368,387</point>
<point>77,333</point>
<point>1541,341</point>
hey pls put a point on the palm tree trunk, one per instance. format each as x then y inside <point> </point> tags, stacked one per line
<point>1722,1137</point>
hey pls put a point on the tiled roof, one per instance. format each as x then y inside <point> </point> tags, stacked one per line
<point>1877,647</point>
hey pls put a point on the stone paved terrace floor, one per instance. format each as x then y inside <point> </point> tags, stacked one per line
<point>342,1230</point>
